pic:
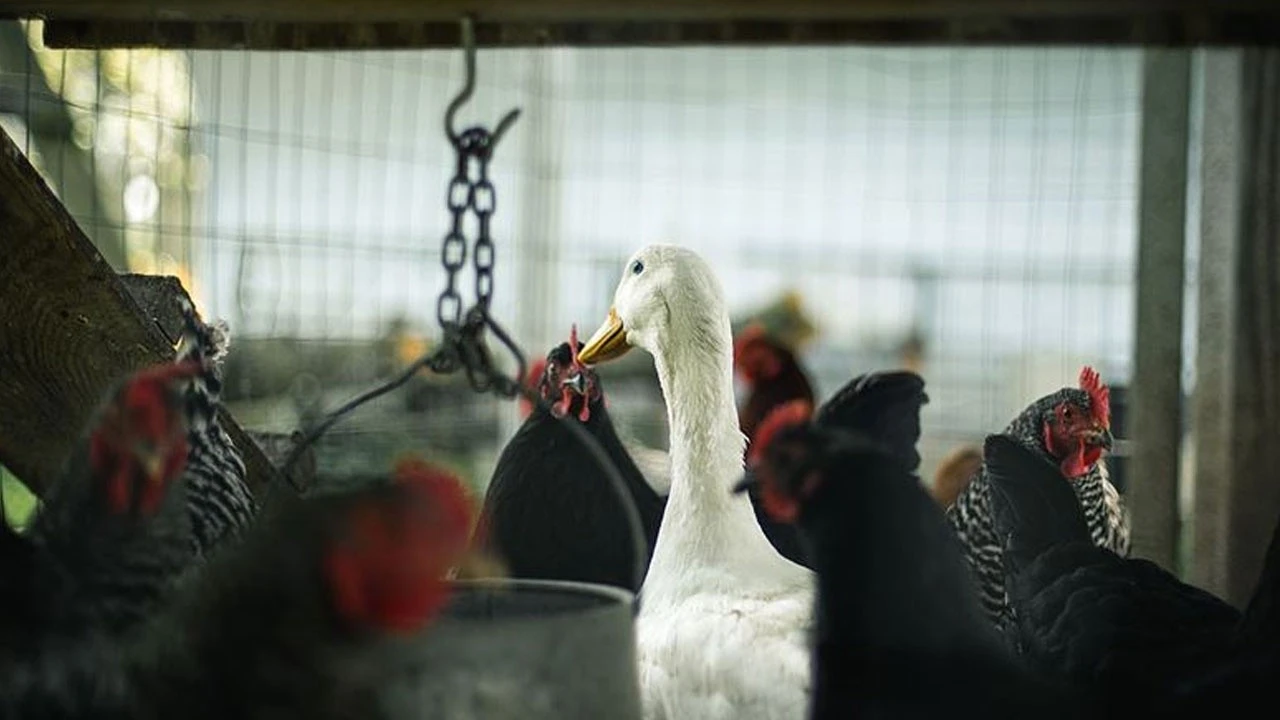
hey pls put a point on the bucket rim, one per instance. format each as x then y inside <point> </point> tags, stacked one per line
<point>600,591</point>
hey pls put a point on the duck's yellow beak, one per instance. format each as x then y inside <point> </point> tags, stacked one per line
<point>608,343</point>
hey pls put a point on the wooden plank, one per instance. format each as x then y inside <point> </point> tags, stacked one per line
<point>1209,28</point>
<point>157,299</point>
<point>595,10</point>
<point>303,24</point>
<point>69,330</point>
<point>1237,400</point>
<point>1157,374</point>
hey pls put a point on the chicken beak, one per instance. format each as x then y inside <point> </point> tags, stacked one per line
<point>608,343</point>
<point>748,481</point>
<point>576,382</point>
<point>1103,437</point>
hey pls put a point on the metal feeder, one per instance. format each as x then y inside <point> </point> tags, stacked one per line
<point>527,649</point>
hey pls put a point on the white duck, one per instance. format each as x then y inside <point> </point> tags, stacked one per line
<point>722,631</point>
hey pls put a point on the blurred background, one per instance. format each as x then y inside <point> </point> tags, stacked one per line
<point>966,213</point>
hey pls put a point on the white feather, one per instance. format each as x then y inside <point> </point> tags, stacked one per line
<point>724,619</point>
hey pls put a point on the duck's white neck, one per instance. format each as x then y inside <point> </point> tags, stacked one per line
<point>706,444</point>
<point>705,525</point>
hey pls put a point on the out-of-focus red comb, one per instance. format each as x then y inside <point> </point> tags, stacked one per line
<point>788,414</point>
<point>1099,395</point>
<point>446,493</point>
<point>387,572</point>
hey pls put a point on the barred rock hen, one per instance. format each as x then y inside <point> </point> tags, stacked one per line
<point>301,619</point>
<point>218,497</point>
<point>900,632</point>
<point>1072,429</point>
<point>550,512</point>
<point>1123,628</point>
<point>105,550</point>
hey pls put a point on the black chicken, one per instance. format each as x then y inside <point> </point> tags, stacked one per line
<point>298,620</point>
<point>899,630</point>
<point>1124,628</point>
<point>550,512</point>
<point>1070,428</point>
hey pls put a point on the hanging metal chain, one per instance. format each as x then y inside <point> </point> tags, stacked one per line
<point>469,190</point>
<point>462,343</point>
<point>453,254</point>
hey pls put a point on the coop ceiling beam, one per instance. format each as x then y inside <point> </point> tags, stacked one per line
<point>70,328</point>
<point>319,24</point>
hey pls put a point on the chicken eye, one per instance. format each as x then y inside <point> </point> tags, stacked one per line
<point>637,267</point>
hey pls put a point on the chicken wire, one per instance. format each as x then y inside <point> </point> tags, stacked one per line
<point>982,201</point>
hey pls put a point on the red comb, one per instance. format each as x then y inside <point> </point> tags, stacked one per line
<point>388,571</point>
<point>788,414</point>
<point>141,409</point>
<point>1099,395</point>
<point>573,345</point>
<point>443,490</point>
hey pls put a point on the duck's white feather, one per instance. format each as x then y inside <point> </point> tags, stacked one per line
<point>724,618</point>
<point>721,656</point>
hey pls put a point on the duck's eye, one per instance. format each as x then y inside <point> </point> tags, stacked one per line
<point>637,267</point>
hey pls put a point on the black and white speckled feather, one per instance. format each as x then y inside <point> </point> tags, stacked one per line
<point>218,497</point>
<point>971,518</point>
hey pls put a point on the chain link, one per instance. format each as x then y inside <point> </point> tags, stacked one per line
<point>470,190</point>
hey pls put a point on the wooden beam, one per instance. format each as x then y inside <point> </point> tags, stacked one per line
<point>1158,30</point>
<point>69,330</point>
<point>595,10</point>
<point>1157,373</point>
<point>320,24</point>
<point>1237,398</point>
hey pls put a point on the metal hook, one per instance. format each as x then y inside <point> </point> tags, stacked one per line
<point>469,54</point>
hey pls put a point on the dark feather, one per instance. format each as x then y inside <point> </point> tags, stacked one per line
<point>884,406</point>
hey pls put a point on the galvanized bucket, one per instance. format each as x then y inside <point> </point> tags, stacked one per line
<point>527,649</point>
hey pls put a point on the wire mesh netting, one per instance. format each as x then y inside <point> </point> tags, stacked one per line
<point>969,213</point>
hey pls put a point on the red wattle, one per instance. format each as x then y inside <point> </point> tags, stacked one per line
<point>1080,461</point>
